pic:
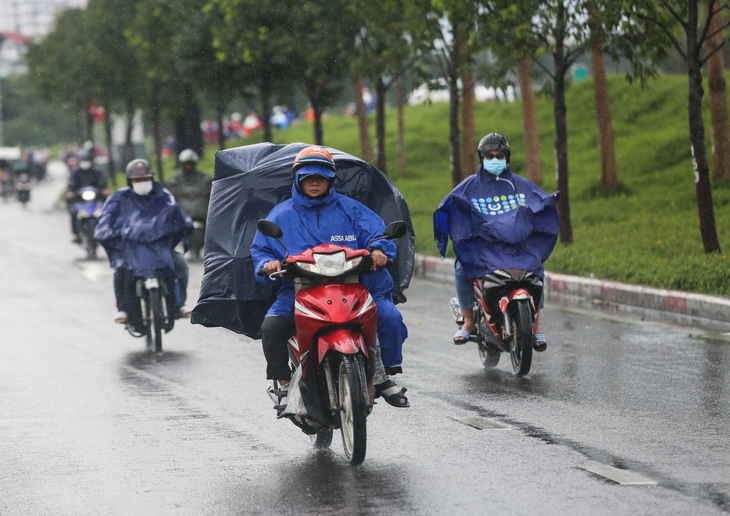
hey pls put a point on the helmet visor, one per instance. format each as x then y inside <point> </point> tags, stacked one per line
<point>309,170</point>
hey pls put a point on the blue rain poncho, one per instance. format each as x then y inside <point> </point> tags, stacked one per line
<point>139,232</point>
<point>497,222</point>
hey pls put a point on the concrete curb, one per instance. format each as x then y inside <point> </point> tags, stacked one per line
<point>673,305</point>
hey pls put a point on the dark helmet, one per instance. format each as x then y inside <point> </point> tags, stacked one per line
<point>85,160</point>
<point>139,168</point>
<point>493,142</point>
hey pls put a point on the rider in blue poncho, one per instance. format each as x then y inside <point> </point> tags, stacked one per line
<point>317,214</point>
<point>139,228</point>
<point>496,220</point>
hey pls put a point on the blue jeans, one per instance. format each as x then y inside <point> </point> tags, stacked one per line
<point>182,272</point>
<point>465,290</point>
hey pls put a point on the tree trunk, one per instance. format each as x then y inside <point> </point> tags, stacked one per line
<point>452,80</point>
<point>265,92</point>
<point>89,125</point>
<point>454,141</point>
<point>529,122</point>
<point>561,147</point>
<point>703,188</point>
<point>109,144</point>
<point>80,118</point>
<point>220,112</point>
<point>128,151</point>
<point>187,128</point>
<point>156,136</point>
<point>366,152</point>
<point>400,100</point>
<point>317,109</point>
<point>380,125</point>
<point>609,175</point>
<point>718,100</point>
<point>468,146</point>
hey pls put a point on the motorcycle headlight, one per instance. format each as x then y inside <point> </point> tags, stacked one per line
<point>88,195</point>
<point>333,264</point>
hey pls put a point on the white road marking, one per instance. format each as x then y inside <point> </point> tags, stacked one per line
<point>620,476</point>
<point>480,423</point>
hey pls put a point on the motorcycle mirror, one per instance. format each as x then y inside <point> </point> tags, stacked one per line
<point>395,230</point>
<point>269,229</point>
<point>272,230</point>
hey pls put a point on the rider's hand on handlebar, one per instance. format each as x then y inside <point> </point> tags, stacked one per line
<point>272,267</point>
<point>379,258</point>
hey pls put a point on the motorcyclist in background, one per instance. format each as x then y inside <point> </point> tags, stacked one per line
<point>317,214</point>
<point>496,220</point>
<point>139,227</point>
<point>85,175</point>
<point>191,189</point>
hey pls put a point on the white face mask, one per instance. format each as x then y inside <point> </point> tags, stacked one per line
<point>143,188</point>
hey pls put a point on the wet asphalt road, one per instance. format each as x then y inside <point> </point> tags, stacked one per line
<point>90,423</point>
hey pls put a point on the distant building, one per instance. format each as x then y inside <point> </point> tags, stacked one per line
<point>12,49</point>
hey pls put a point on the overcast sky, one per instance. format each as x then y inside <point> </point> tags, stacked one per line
<point>32,17</point>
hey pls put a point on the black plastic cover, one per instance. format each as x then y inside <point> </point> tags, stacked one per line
<point>248,182</point>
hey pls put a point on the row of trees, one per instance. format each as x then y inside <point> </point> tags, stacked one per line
<point>166,57</point>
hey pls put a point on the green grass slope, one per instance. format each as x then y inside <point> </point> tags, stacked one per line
<point>645,233</point>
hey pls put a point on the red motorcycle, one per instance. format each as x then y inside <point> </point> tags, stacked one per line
<point>332,355</point>
<point>504,311</point>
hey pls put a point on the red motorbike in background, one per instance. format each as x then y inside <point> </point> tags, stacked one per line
<point>505,305</point>
<point>332,355</point>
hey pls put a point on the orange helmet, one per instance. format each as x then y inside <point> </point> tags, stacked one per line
<point>313,155</point>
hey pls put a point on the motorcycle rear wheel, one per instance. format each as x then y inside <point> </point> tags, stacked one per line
<point>521,345</point>
<point>353,408</point>
<point>488,354</point>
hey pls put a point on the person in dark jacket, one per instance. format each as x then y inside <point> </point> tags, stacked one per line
<point>85,175</point>
<point>496,220</point>
<point>191,189</point>
<point>139,227</point>
<point>317,214</point>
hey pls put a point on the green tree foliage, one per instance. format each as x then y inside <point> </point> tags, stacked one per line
<point>61,66</point>
<point>683,25</point>
<point>255,47</point>
<point>28,120</point>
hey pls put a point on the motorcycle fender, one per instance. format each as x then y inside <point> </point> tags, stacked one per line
<point>151,283</point>
<point>342,340</point>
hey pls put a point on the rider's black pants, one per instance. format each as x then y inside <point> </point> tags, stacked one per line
<point>275,332</point>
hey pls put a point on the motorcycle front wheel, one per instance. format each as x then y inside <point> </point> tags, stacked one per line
<point>353,408</point>
<point>521,345</point>
<point>154,320</point>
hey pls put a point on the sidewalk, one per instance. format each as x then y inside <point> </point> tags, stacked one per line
<point>671,306</point>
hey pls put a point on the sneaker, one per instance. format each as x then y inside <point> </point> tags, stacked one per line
<point>283,395</point>
<point>120,318</point>
<point>183,313</point>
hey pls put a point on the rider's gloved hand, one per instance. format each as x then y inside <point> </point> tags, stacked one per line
<point>379,258</point>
